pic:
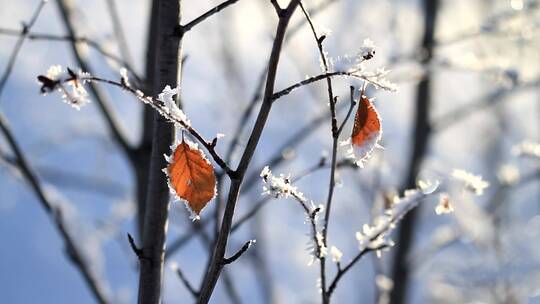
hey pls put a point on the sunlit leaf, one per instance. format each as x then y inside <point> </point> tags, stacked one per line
<point>191,176</point>
<point>367,130</point>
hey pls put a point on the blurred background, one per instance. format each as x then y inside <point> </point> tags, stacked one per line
<point>468,97</point>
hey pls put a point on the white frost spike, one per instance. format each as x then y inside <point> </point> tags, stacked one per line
<point>367,50</point>
<point>279,186</point>
<point>444,205</point>
<point>384,283</point>
<point>508,174</point>
<point>527,148</point>
<point>76,96</point>
<point>374,237</point>
<point>54,72</point>
<point>471,182</point>
<point>124,75</point>
<point>170,107</point>
<point>336,254</point>
<point>427,186</point>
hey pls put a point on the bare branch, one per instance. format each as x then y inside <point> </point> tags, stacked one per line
<point>310,80</point>
<point>18,45</point>
<point>351,107</point>
<point>119,32</point>
<point>55,214</point>
<point>335,137</point>
<point>187,27</point>
<point>91,43</point>
<point>209,145</point>
<point>252,179</point>
<point>185,281</point>
<point>138,251</point>
<point>344,270</point>
<point>276,6</point>
<point>97,94</point>
<point>216,267</point>
<point>312,12</point>
<point>238,254</point>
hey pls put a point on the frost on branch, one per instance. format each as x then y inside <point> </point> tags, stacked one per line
<point>281,187</point>
<point>444,205</point>
<point>471,182</point>
<point>375,236</point>
<point>70,84</point>
<point>171,109</point>
<point>316,248</point>
<point>527,149</point>
<point>336,254</point>
<point>124,77</point>
<point>508,174</point>
<point>378,77</point>
<point>367,50</point>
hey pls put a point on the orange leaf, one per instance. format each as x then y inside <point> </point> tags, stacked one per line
<point>367,130</point>
<point>191,176</point>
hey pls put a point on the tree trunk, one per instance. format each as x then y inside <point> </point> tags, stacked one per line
<point>422,132</point>
<point>144,149</point>
<point>157,202</point>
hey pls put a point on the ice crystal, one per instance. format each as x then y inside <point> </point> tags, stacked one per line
<point>471,182</point>
<point>171,109</point>
<point>444,205</point>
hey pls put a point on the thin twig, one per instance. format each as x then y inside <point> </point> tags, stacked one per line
<point>253,178</point>
<point>187,27</point>
<point>246,114</point>
<point>209,145</point>
<point>344,270</point>
<point>99,96</point>
<point>119,32</point>
<point>257,206</point>
<point>216,267</point>
<point>234,142</point>
<point>185,281</point>
<point>313,79</point>
<point>18,45</point>
<point>293,29</point>
<point>260,85</point>
<point>138,251</point>
<point>55,214</point>
<point>238,254</point>
<point>276,6</point>
<point>80,39</point>
<point>335,137</point>
<point>349,112</point>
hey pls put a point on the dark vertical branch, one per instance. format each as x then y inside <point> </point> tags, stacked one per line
<point>157,202</point>
<point>144,149</point>
<point>216,264</point>
<point>422,132</point>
